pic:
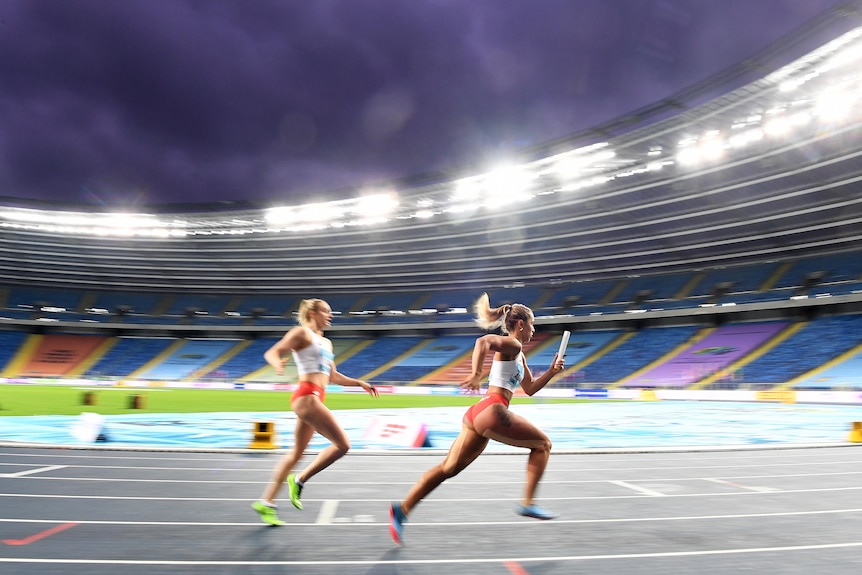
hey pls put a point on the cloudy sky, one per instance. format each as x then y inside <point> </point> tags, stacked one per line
<point>138,102</point>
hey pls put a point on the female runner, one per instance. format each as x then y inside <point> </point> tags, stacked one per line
<point>314,362</point>
<point>490,418</point>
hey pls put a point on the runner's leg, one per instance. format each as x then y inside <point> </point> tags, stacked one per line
<point>500,424</point>
<point>465,449</point>
<point>317,416</point>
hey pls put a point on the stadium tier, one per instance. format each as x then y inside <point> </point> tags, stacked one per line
<point>820,353</point>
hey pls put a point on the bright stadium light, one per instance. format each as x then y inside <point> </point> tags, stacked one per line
<point>688,156</point>
<point>376,205</point>
<point>777,127</point>
<point>319,212</point>
<point>745,138</point>
<point>369,208</point>
<point>467,189</point>
<point>511,182</point>
<point>279,215</point>
<point>846,56</point>
<point>712,150</point>
<point>97,224</point>
<point>573,165</point>
<point>568,168</point>
<point>835,106</point>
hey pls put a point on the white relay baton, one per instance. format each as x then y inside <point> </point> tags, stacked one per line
<point>564,343</point>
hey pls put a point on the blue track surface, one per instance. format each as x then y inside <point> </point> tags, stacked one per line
<point>570,426</point>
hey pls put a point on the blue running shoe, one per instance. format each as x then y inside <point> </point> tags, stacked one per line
<point>535,511</point>
<point>396,522</point>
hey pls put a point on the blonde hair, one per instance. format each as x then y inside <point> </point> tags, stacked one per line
<point>306,307</point>
<point>506,316</point>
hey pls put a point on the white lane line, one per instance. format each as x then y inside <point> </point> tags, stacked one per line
<point>448,499</point>
<point>327,512</point>
<point>96,453</point>
<point>638,488</point>
<point>471,560</point>
<point>413,472</point>
<point>545,481</point>
<point>353,472</point>
<point>519,522</point>
<point>32,471</point>
<point>740,485</point>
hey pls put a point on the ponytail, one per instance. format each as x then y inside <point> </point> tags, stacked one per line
<point>504,316</point>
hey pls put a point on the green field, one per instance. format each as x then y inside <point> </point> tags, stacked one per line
<point>68,400</point>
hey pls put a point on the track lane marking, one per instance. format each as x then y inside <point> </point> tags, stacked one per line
<point>444,499</point>
<point>515,568</point>
<point>32,471</point>
<point>638,488</point>
<point>41,535</point>
<point>374,471</point>
<point>95,453</point>
<point>741,486</point>
<point>474,561</point>
<point>519,522</point>
<point>327,512</point>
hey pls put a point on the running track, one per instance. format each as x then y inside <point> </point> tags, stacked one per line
<point>108,512</point>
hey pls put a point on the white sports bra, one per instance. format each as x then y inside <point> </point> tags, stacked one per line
<point>315,358</point>
<point>507,374</point>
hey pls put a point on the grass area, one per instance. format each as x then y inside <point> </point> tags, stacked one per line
<point>69,400</point>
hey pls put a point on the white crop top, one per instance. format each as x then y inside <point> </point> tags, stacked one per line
<point>507,374</point>
<point>315,358</point>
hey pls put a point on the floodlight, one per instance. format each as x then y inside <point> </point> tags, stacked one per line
<point>467,188</point>
<point>377,205</point>
<point>319,212</point>
<point>834,106</point>
<point>712,149</point>
<point>777,127</point>
<point>744,138</point>
<point>279,215</point>
<point>688,156</point>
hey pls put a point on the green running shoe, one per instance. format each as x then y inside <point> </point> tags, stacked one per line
<point>268,513</point>
<point>295,491</point>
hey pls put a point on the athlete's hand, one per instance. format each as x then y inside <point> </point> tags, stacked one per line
<point>558,364</point>
<point>279,369</point>
<point>370,389</point>
<point>473,383</point>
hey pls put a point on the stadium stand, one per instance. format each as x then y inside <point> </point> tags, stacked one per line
<point>128,355</point>
<point>184,360</point>
<point>433,353</point>
<point>820,341</point>
<point>10,343</point>
<point>644,347</point>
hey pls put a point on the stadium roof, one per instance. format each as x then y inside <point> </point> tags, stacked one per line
<point>769,170</point>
